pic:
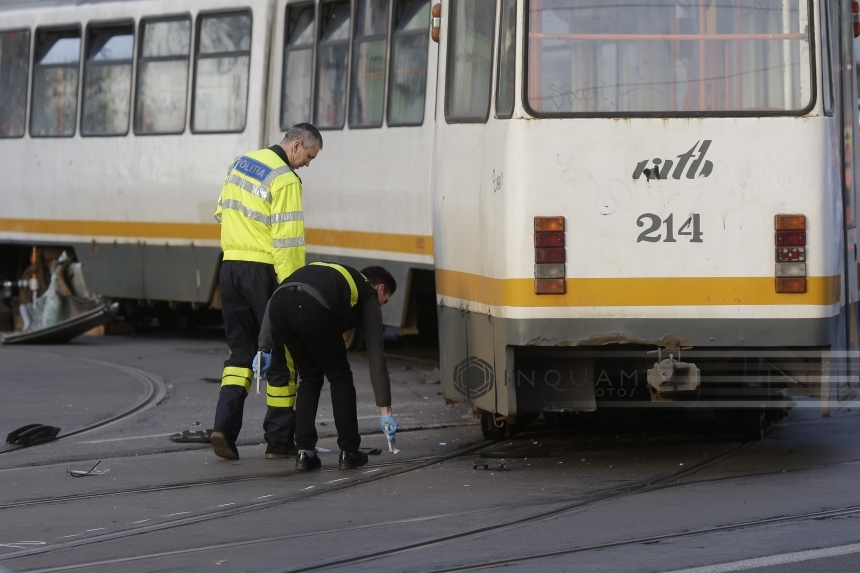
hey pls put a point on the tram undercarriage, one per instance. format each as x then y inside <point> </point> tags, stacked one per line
<point>746,386</point>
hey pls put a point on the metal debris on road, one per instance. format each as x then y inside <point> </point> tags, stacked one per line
<point>91,472</point>
<point>494,465</point>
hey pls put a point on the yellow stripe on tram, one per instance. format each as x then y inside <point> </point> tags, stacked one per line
<point>388,242</point>
<point>668,291</point>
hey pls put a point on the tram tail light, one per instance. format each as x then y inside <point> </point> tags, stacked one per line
<point>790,239</point>
<point>549,255</point>
<point>855,10</point>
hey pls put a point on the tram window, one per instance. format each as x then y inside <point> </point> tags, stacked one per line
<point>369,46</point>
<point>408,81</point>
<point>657,57</point>
<point>829,55</point>
<point>470,60</point>
<point>332,64</point>
<point>507,60</point>
<point>223,58</point>
<point>298,66</point>
<point>107,80</point>
<point>14,68</point>
<point>54,105</point>
<point>162,76</point>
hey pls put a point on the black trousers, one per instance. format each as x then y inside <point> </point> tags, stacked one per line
<point>245,291</point>
<point>314,337</point>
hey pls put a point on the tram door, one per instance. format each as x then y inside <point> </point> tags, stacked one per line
<point>471,177</point>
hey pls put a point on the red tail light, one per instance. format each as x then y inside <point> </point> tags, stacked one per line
<point>549,255</point>
<point>790,242</point>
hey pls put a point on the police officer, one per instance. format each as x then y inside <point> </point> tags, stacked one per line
<point>309,312</point>
<point>263,239</point>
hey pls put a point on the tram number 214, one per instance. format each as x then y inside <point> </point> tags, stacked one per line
<point>690,228</point>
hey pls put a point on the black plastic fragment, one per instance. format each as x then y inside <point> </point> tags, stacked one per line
<point>32,434</point>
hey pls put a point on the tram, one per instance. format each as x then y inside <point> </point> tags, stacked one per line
<point>118,120</point>
<point>657,202</point>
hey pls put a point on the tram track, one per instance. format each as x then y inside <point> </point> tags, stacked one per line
<point>155,390</point>
<point>190,484</point>
<point>814,515</point>
<point>246,508</point>
<point>594,497</point>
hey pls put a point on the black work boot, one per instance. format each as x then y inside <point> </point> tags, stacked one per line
<point>305,462</point>
<point>280,451</point>
<point>352,460</point>
<point>224,447</point>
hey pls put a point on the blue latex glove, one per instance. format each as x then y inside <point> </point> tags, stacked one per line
<point>266,360</point>
<point>388,425</point>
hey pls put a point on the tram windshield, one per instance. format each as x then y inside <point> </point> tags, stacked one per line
<point>687,57</point>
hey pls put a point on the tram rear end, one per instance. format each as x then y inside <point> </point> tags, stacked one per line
<point>662,209</point>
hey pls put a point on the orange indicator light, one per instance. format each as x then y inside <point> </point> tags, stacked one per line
<point>793,285</point>
<point>543,224</point>
<point>549,286</point>
<point>790,222</point>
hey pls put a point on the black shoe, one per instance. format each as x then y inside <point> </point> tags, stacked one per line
<point>280,451</point>
<point>224,447</point>
<point>352,460</point>
<point>306,463</point>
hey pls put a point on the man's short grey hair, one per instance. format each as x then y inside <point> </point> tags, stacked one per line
<point>306,133</point>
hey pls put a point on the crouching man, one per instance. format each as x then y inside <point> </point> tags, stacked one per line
<point>309,312</point>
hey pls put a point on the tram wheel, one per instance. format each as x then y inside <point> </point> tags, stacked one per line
<point>491,429</point>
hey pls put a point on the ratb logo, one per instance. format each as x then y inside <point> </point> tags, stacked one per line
<point>662,168</point>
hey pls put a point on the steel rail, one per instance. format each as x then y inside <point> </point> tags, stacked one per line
<point>592,497</point>
<point>246,508</point>
<point>188,485</point>
<point>155,391</point>
<point>655,538</point>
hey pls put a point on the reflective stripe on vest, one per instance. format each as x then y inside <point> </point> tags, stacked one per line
<point>288,243</point>
<point>353,290</point>
<point>246,212</point>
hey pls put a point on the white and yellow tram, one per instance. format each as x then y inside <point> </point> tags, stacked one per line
<point>590,181</point>
<point>612,178</point>
<point>118,119</point>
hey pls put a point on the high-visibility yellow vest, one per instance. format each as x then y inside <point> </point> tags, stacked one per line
<point>260,211</point>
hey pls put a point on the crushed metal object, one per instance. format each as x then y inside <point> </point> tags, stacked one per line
<point>64,311</point>
<point>90,472</point>
<point>671,375</point>
<point>32,434</point>
<point>192,437</point>
<point>495,465</point>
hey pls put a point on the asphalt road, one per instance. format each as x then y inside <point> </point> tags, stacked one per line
<point>666,495</point>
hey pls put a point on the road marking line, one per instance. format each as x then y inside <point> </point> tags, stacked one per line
<point>141,521</point>
<point>265,496</point>
<point>96,529</point>
<point>334,480</point>
<point>67,536</point>
<point>226,504</point>
<point>126,438</point>
<point>309,487</point>
<point>172,514</point>
<point>778,559</point>
<point>371,471</point>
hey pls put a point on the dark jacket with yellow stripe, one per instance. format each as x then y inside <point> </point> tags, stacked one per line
<point>345,292</point>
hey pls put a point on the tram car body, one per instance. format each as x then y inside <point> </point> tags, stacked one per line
<point>119,120</point>
<point>650,203</point>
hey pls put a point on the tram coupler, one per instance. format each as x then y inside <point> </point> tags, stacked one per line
<point>670,375</point>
